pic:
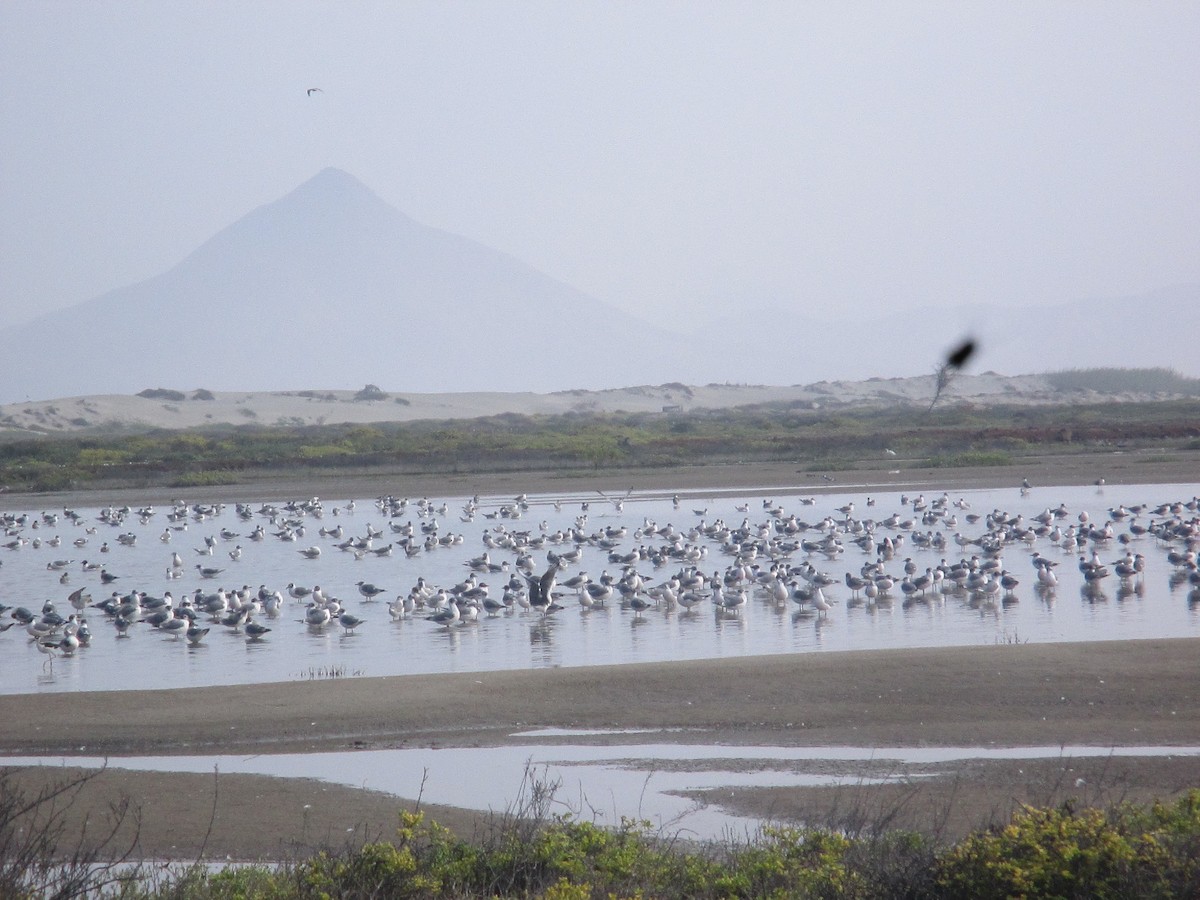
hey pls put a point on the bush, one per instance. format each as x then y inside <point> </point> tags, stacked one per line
<point>371,392</point>
<point>1125,852</point>
<point>162,394</point>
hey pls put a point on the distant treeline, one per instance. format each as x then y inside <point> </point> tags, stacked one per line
<point>1123,381</point>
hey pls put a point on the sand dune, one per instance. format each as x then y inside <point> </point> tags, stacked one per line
<point>186,409</point>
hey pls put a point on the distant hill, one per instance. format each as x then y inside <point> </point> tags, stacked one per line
<point>330,285</point>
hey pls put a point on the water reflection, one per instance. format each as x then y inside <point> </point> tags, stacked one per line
<point>644,781</point>
<point>1149,605</point>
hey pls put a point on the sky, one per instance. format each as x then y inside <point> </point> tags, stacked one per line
<point>678,160</point>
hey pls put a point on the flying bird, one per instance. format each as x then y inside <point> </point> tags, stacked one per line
<point>955,360</point>
<point>961,354</point>
<point>312,91</point>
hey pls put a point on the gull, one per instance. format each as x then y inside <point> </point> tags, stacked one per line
<point>1009,582</point>
<point>254,631</point>
<point>734,603</point>
<point>369,591</point>
<point>493,607</point>
<point>80,599</point>
<point>317,616</point>
<point>195,635</point>
<point>595,593</point>
<point>310,552</point>
<point>312,91</point>
<point>541,589</point>
<point>208,571</point>
<point>447,616</point>
<point>617,502</point>
<point>175,627</point>
<point>296,592</point>
<point>349,622</point>
<point>823,606</point>
<point>638,605</point>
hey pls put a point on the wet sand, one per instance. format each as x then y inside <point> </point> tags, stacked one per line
<point>1136,693</point>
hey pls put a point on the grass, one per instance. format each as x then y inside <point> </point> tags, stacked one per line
<point>970,459</point>
<point>813,440</point>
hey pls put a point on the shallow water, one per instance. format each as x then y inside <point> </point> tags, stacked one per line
<point>1156,606</point>
<point>598,783</point>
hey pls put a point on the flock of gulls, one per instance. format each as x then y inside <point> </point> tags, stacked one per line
<point>801,559</point>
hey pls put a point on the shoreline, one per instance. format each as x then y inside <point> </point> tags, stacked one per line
<point>1134,692</point>
<point>1118,468</point>
<point>1138,693</point>
<point>1116,694</point>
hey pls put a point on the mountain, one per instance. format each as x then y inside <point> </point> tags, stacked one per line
<point>331,287</point>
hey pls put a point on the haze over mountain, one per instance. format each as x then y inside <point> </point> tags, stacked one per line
<point>778,345</point>
<point>330,287</point>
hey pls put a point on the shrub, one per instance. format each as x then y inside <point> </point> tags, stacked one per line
<point>371,392</point>
<point>162,394</point>
<point>1124,852</point>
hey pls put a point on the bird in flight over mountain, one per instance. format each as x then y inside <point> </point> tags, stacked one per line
<point>312,91</point>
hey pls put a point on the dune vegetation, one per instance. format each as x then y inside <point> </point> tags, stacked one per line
<point>815,439</point>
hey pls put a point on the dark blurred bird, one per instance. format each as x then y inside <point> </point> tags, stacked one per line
<point>312,91</point>
<point>955,360</point>
<point>961,355</point>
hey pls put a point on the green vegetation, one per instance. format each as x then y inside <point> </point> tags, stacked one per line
<point>1122,381</point>
<point>815,440</point>
<point>162,394</point>
<point>970,459</point>
<point>1124,851</point>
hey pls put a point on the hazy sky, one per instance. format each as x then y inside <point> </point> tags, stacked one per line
<point>661,156</point>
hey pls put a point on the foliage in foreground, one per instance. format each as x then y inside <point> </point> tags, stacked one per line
<point>1125,851</point>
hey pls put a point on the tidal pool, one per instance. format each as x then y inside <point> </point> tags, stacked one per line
<point>136,553</point>
<point>599,783</point>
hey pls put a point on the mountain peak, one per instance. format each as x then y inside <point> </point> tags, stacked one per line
<point>332,189</point>
<point>331,285</point>
<point>333,179</point>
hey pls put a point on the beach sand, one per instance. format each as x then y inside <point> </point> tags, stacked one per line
<point>1128,694</point>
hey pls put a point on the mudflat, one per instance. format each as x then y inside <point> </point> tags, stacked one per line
<point>1126,694</point>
